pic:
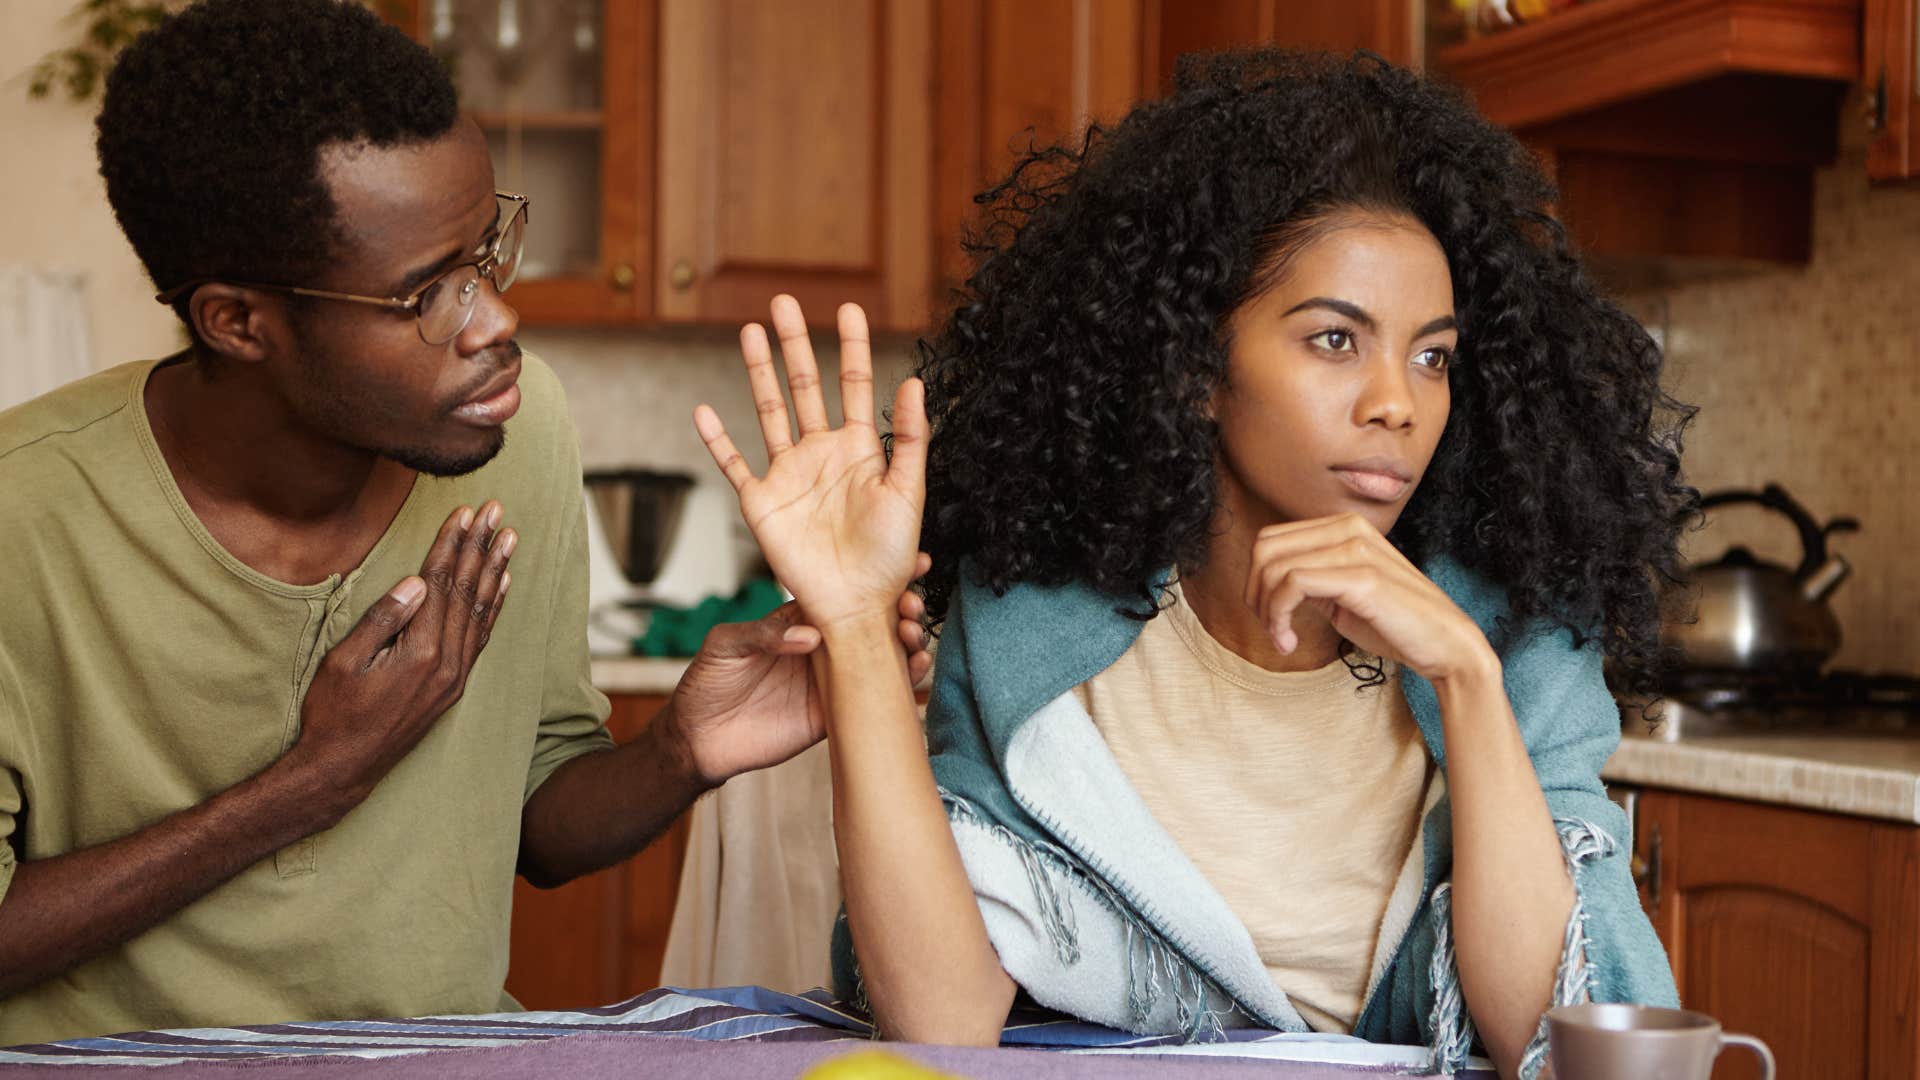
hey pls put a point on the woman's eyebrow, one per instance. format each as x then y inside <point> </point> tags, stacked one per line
<point>1444,322</point>
<point>1339,307</point>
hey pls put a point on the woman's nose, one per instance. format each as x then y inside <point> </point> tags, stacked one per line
<point>1386,398</point>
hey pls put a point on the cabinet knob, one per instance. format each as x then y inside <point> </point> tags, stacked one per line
<point>681,275</point>
<point>624,276</point>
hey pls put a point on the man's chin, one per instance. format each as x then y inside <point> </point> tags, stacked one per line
<point>437,462</point>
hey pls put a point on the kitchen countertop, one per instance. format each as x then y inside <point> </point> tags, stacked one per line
<point>638,674</point>
<point>1868,775</point>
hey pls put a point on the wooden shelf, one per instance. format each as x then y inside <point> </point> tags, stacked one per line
<point>1684,129</point>
<point>551,120</point>
<point>1605,53</point>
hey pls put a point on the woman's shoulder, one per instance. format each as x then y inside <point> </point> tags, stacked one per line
<point>1029,641</point>
<point>1026,608</point>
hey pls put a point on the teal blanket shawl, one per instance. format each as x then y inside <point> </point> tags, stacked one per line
<point>1095,912</point>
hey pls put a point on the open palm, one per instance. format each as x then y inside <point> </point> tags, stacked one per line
<point>838,523</point>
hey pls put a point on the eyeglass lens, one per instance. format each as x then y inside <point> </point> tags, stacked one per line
<point>447,307</point>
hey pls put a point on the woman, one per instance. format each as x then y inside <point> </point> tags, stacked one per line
<point>1288,486</point>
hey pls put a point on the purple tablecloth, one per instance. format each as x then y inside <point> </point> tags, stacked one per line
<point>698,1034</point>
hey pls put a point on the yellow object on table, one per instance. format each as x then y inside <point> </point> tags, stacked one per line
<point>873,1065</point>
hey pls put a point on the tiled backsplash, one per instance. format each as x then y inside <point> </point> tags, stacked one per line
<point>632,395</point>
<point>1806,377</point>
<point>1811,378</point>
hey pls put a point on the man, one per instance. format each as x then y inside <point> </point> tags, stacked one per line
<point>258,760</point>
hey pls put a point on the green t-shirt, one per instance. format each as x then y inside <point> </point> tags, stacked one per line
<point>144,669</point>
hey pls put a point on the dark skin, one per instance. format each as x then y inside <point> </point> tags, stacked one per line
<point>296,437</point>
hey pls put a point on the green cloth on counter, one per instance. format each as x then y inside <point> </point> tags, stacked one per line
<point>679,631</point>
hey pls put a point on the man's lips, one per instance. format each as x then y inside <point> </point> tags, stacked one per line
<point>495,403</point>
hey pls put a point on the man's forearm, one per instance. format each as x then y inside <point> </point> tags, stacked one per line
<point>62,911</point>
<point>600,808</point>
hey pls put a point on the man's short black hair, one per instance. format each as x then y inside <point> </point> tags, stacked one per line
<point>210,134</point>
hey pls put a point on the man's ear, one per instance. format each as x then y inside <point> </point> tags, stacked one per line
<point>236,322</point>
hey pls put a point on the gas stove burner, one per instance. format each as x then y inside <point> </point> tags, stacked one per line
<point>1836,689</point>
<point>1724,703</point>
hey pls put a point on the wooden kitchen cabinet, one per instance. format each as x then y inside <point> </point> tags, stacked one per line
<point>1799,927</point>
<point>1387,27</point>
<point>795,155</point>
<point>1013,74</point>
<point>726,150</point>
<point>600,938</point>
<point>569,120</point>
<point>1676,128</point>
<point>1010,74</point>
<point>1891,29</point>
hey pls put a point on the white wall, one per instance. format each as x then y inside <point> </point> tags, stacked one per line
<point>54,203</point>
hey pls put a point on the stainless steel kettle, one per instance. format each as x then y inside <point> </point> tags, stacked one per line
<point>1754,618</point>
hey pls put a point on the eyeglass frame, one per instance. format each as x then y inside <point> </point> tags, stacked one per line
<point>485,264</point>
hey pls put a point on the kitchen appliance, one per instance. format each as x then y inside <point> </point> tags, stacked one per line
<point>1752,619</point>
<point>1754,639</point>
<point>657,539</point>
<point>1833,702</point>
<point>639,512</point>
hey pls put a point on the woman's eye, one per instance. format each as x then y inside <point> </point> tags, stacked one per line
<point>1439,359</point>
<point>1333,340</point>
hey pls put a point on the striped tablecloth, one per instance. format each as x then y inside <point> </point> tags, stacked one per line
<point>700,1034</point>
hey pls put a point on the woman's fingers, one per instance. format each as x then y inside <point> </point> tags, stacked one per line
<point>908,470</point>
<point>725,454</point>
<point>856,367</point>
<point>803,374</point>
<point>764,381</point>
<point>1348,587</point>
<point>1279,541</point>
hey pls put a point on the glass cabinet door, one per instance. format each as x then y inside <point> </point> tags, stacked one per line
<point>559,86</point>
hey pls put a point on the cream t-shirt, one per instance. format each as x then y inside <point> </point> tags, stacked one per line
<point>1296,794</point>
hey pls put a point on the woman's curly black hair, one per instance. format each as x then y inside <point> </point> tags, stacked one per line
<point>1070,389</point>
<point>210,134</point>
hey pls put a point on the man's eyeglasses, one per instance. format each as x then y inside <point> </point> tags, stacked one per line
<point>442,307</point>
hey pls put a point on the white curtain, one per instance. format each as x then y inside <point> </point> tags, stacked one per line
<point>43,331</point>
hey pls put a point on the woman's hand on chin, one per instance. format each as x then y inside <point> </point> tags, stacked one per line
<point>839,524</point>
<point>1372,594</point>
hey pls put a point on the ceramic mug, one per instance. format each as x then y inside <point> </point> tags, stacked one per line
<point>1618,1042</point>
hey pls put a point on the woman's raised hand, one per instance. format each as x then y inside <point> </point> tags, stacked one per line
<point>839,525</point>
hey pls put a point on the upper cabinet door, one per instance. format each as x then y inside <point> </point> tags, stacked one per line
<point>1386,27</point>
<point>795,155</point>
<point>563,91</point>
<point>1014,74</point>
<point>1892,38</point>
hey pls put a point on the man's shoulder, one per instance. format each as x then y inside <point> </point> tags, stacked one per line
<point>71,410</point>
<point>543,401</point>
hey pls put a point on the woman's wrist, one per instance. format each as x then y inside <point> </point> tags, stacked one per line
<point>1475,674</point>
<point>859,627</point>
